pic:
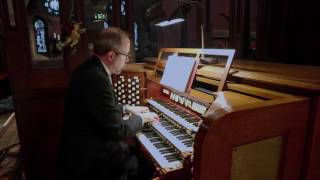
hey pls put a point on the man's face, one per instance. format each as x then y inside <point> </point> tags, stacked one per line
<point>122,57</point>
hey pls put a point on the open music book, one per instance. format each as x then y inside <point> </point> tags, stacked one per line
<point>177,72</point>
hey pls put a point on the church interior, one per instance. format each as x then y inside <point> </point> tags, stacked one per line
<point>239,79</point>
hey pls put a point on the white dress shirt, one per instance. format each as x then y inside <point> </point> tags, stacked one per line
<point>107,70</point>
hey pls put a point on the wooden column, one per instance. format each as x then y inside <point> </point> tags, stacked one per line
<point>239,26</point>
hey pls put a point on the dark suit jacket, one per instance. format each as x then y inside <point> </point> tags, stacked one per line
<point>93,127</point>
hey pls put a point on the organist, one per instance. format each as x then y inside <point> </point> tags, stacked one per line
<point>94,129</point>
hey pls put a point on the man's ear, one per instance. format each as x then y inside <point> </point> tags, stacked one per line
<point>110,56</point>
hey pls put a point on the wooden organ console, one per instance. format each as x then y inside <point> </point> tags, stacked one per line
<point>223,128</point>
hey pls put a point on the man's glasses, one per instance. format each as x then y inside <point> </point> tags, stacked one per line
<point>126,55</point>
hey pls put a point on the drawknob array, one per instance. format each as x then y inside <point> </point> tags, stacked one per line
<point>129,88</point>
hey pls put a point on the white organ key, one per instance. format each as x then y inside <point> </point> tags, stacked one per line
<point>123,96</point>
<point>133,89</point>
<point>155,153</point>
<point>137,86</point>
<point>137,91</point>
<point>138,97</point>
<point>122,85</point>
<point>123,101</point>
<point>133,99</point>
<point>115,84</point>
<point>119,99</point>
<point>122,90</point>
<point>137,102</point>
<point>129,96</point>
<point>173,116</point>
<point>129,85</point>
<point>173,139</point>
<point>129,91</point>
<point>129,80</point>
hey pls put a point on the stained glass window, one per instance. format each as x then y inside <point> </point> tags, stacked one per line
<point>107,22</point>
<point>123,7</point>
<point>40,35</point>
<point>136,36</point>
<point>52,6</point>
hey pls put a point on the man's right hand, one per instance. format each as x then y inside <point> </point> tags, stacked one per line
<point>149,117</point>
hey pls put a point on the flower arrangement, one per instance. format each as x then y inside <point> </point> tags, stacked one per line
<point>71,36</point>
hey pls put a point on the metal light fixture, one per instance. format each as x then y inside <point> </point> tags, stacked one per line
<point>170,22</point>
<point>176,17</point>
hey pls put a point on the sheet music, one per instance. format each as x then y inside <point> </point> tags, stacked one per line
<point>177,72</point>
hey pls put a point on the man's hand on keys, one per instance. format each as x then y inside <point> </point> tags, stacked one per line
<point>137,109</point>
<point>149,117</point>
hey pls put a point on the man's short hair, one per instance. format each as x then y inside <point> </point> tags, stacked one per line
<point>109,39</point>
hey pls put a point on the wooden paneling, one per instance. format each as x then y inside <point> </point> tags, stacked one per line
<point>153,88</point>
<point>40,120</point>
<point>39,94</point>
<point>312,158</point>
<point>271,81</point>
<point>227,128</point>
<point>257,160</point>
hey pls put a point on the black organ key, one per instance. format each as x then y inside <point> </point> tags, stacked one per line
<point>192,119</point>
<point>159,143</point>
<point>159,146</point>
<point>155,140</point>
<point>186,116</point>
<point>150,135</point>
<point>183,137</point>
<point>177,132</point>
<point>174,159</point>
<point>166,151</point>
<point>166,124</point>
<point>187,141</point>
<point>170,128</point>
<point>170,156</point>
